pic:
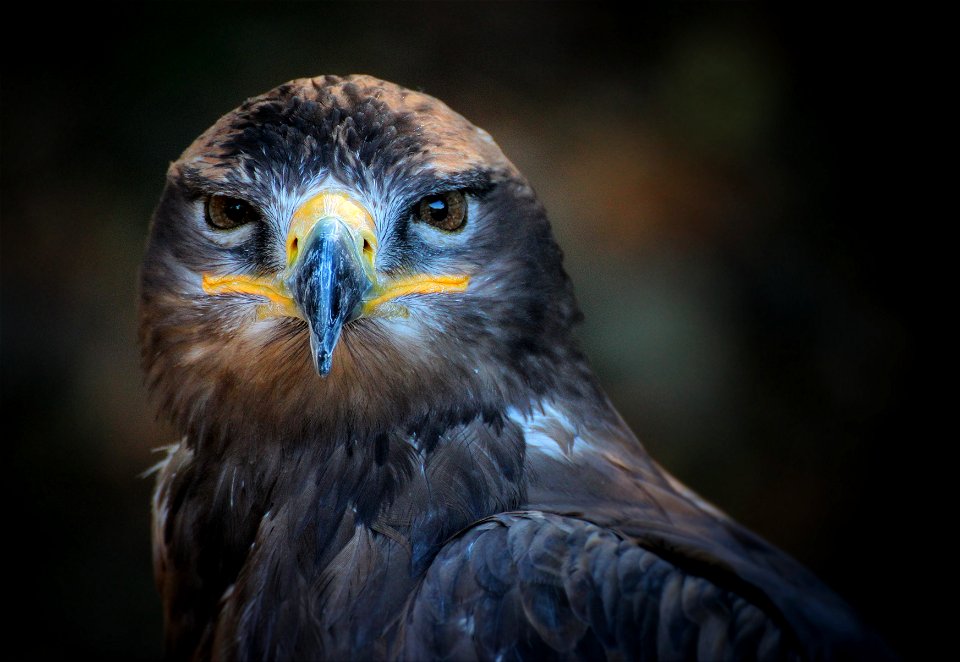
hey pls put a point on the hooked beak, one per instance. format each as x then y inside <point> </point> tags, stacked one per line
<point>330,278</point>
<point>330,268</point>
<point>328,284</point>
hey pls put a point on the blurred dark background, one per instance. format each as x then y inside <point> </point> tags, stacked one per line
<point>722,179</point>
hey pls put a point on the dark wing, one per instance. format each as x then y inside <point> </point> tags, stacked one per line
<point>611,554</point>
<point>189,590</point>
<point>532,585</point>
<point>205,516</point>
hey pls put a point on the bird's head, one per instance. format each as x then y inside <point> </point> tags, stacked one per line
<point>342,252</point>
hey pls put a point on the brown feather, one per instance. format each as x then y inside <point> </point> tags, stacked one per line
<point>458,486</point>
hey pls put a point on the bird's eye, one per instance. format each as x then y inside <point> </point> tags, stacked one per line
<point>225,213</point>
<point>446,211</point>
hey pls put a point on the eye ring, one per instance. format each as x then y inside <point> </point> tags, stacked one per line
<point>226,213</point>
<point>444,211</point>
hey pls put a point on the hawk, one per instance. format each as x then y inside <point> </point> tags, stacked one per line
<point>354,311</point>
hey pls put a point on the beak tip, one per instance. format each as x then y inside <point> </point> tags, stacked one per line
<point>322,355</point>
<point>323,362</point>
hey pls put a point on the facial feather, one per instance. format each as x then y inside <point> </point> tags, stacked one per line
<point>210,359</point>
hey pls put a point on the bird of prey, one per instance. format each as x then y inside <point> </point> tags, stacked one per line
<point>354,311</point>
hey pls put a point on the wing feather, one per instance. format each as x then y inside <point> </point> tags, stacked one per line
<point>536,584</point>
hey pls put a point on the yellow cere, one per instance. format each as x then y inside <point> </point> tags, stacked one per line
<point>333,204</point>
<point>280,303</point>
<point>421,284</point>
<point>328,204</point>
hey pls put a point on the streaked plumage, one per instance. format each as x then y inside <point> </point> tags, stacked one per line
<point>454,483</point>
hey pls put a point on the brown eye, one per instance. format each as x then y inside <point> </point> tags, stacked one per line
<point>225,213</point>
<point>447,211</point>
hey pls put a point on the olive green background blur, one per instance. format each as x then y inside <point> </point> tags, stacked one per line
<point>718,176</point>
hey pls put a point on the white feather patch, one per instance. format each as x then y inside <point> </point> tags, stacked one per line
<point>548,430</point>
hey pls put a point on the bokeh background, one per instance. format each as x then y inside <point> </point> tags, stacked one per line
<point>718,176</point>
